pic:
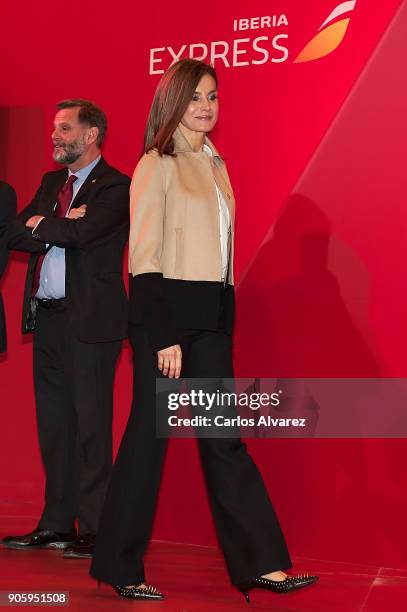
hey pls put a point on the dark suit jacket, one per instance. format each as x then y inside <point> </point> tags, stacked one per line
<point>8,208</point>
<point>96,298</point>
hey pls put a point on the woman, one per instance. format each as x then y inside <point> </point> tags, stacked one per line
<point>182,303</point>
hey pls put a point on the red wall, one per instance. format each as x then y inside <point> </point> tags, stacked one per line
<point>316,154</point>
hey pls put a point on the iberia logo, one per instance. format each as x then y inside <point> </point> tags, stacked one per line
<point>330,35</point>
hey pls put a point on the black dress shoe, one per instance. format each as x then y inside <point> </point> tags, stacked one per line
<point>290,583</point>
<point>81,548</point>
<point>40,538</point>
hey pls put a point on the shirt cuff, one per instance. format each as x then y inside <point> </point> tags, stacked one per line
<point>36,225</point>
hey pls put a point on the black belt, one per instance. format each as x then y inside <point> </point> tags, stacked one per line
<point>52,303</point>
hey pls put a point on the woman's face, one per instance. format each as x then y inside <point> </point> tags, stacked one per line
<point>202,112</point>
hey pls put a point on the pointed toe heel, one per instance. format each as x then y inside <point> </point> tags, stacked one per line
<point>137,591</point>
<point>146,592</point>
<point>290,583</point>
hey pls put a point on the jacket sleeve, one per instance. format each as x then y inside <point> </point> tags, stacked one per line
<point>103,218</point>
<point>8,207</point>
<point>18,236</point>
<point>147,214</point>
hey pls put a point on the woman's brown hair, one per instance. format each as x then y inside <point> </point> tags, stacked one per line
<point>171,99</point>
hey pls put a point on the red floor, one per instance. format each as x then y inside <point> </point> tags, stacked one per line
<point>193,578</point>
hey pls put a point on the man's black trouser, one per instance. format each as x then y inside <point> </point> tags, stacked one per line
<point>74,397</point>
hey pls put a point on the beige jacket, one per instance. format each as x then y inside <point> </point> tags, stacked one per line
<point>174,214</point>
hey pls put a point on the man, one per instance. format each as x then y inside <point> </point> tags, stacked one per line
<point>8,206</point>
<point>75,228</point>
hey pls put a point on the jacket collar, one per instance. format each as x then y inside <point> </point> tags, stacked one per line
<point>97,172</point>
<point>62,175</point>
<point>181,144</point>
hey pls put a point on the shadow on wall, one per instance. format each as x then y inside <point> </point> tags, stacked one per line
<point>292,320</point>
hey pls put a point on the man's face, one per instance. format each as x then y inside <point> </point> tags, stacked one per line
<point>69,136</point>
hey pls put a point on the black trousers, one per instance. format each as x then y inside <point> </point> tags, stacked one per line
<point>247,526</point>
<point>74,397</point>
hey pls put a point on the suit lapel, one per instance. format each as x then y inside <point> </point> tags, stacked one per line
<point>59,179</point>
<point>97,173</point>
<point>224,187</point>
<point>220,179</point>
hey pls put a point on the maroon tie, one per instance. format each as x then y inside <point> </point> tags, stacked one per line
<point>64,199</point>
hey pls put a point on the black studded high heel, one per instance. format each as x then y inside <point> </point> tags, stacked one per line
<point>290,583</point>
<point>147,592</point>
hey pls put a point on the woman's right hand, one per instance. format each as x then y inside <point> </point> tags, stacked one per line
<point>170,361</point>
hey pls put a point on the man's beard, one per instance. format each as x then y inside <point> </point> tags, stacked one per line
<point>68,153</point>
